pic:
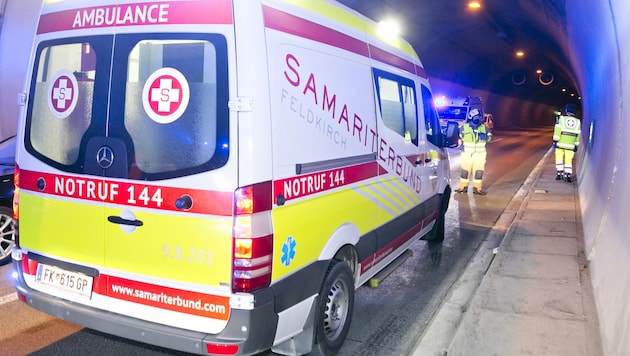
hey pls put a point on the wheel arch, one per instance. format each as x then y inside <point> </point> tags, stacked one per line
<point>341,246</point>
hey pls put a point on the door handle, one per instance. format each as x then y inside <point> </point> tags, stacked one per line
<point>121,221</point>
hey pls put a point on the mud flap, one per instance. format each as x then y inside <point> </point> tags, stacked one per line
<point>301,343</point>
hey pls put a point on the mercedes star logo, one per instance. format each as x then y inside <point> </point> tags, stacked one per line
<point>105,157</point>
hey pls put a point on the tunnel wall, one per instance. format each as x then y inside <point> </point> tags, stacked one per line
<point>599,34</point>
<point>17,28</point>
<point>506,111</point>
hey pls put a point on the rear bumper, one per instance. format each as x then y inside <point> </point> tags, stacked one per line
<point>252,330</point>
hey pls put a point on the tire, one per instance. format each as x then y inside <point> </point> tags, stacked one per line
<point>7,234</point>
<point>437,232</point>
<point>334,308</point>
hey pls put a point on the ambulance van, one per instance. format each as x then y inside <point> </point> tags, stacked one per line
<point>219,176</point>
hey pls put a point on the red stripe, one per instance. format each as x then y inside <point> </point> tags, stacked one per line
<point>386,250</point>
<point>396,61</point>
<point>282,21</point>
<point>125,193</point>
<point>178,300</point>
<point>313,183</point>
<point>171,13</point>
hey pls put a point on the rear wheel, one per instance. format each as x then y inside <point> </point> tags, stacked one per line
<point>334,308</point>
<point>7,234</point>
<point>437,233</point>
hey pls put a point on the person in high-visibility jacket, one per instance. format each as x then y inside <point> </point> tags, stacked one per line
<point>474,136</point>
<point>566,139</point>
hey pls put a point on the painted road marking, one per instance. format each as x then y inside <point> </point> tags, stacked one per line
<point>8,298</point>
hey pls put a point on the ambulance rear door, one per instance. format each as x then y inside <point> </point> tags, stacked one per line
<point>129,173</point>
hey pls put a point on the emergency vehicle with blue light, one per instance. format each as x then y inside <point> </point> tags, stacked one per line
<point>457,109</point>
<point>219,176</point>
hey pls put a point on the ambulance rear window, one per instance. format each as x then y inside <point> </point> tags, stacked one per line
<point>62,100</point>
<point>171,104</point>
<point>154,103</point>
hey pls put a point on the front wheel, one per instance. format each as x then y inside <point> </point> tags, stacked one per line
<point>334,308</point>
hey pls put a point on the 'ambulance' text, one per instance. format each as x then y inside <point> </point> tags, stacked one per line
<point>121,15</point>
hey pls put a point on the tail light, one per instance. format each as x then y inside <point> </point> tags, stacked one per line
<point>252,238</point>
<point>16,203</point>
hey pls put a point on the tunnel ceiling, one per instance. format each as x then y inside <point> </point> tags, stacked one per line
<point>477,48</point>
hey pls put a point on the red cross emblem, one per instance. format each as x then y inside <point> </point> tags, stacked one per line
<point>165,95</point>
<point>63,94</point>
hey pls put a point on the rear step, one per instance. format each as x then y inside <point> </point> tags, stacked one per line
<point>374,281</point>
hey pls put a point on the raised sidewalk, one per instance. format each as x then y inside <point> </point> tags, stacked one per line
<point>527,290</point>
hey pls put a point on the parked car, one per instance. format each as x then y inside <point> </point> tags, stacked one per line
<point>7,187</point>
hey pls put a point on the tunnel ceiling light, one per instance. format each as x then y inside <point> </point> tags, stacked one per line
<point>520,54</point>
<point>539,71</point>
<point>474,5</point>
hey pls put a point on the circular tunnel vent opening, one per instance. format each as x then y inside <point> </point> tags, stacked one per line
<point>519,78</point>
<point>546,78</point>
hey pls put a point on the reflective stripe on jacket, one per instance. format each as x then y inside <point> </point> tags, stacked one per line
<point>567,132</point>
<point>474,140</point>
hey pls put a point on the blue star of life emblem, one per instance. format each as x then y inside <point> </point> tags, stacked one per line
<point>288,251</point>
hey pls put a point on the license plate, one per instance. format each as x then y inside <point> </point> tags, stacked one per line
<point>73,282</point>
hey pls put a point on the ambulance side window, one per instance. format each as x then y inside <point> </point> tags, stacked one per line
<point>61,97</point>
<point>431,120</point>
<point>397,103</point>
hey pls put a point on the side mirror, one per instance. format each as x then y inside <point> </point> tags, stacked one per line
<point>452,134</point>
